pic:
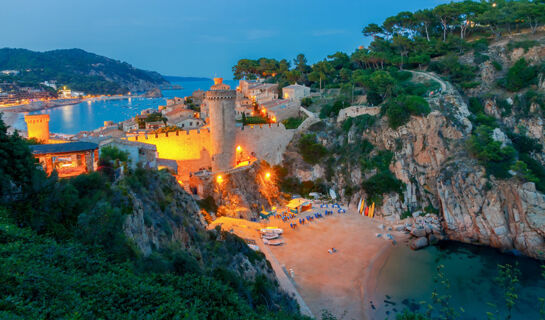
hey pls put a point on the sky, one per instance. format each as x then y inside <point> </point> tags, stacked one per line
<point>202,38</point>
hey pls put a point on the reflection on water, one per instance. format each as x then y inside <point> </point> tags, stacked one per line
<point>89,115</point>
<point>407,281</point>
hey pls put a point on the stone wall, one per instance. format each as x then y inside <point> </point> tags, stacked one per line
<point>268,141</point>
<point>355,111</point>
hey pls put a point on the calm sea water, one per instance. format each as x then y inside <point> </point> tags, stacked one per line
<point>407,280</point>
<point>87,116</point>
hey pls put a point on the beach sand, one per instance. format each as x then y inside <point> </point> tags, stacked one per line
<point>341,282</point>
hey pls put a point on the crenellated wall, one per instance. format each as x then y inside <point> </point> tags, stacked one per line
<point>179,145</point>
<point>38,127</point>
<point>193,150</point>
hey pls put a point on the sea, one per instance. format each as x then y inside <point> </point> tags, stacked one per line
<point>90,115</point>
<point>408,279</point>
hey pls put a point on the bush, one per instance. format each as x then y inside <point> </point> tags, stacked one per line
<point>497,65</point>
<point>401,108</point>
<point>381,183</point>
<point>492,155</point>
<point>475,105</point>
<point>293,123</point>
<point>519,76</point>
<point>456,72</point>
<point>311,150</point>
<point>525,44</point>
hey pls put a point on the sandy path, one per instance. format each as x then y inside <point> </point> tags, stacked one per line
<point>335,282</point>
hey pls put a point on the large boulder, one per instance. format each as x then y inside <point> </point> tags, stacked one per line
<point>419,243</point>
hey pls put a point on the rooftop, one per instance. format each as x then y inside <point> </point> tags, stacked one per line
<point>68,147</point>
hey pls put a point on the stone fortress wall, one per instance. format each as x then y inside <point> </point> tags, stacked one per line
<point>267,141</point>
<point>38,127</point>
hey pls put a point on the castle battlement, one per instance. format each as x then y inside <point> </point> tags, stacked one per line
<point>36,118</point>
<point>220,94</point>
<point>177,133</point>
<point>38,127</point>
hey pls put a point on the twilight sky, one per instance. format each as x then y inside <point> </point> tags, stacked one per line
<point>195,37</point>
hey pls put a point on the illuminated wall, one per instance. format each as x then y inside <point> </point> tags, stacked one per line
<point>192,149</point>
<point>267,141</point>
<point>38,127</point>
<point>179,145</point>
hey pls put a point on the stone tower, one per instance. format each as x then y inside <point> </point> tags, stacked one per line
<point>38,127</point>
<point>221,104</point>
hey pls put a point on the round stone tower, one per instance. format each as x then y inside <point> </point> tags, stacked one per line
<point>221,104</point>
<point>38,127</point>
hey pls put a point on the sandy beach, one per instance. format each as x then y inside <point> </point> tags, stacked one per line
<point>342,282</point>
<point>336,282</point>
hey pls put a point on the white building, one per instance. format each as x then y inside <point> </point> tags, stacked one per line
<point>9,72</point>
<point>191,123</point>
<point>295,92</point>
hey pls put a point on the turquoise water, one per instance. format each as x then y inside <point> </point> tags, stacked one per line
<point>87,116</point>
<point>407,280</point>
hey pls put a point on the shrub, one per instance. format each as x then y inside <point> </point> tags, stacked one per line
<point>306,102</point>
<point>401,108</point>
<point>311,150</point>
<point>475,105</point>
<point>497,65</point>
<point>519,76</point>
<point>381,183</point>
<point>524,44</point>
<point>492,155</point>
<point>293,123</point>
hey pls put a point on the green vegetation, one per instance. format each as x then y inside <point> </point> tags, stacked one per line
<point>524,44</point>
<point>381,183</point>
<point>493,156</point>
<point>293,123</point>
<point>74,68</point>
<point>310,149</point>
<point>401,108</point>
<point>293,185</point>
<point>65,239</point>
<point>519,76</point>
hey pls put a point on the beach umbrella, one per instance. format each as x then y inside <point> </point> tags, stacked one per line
<point>366,211</point>
<point>372,213</point>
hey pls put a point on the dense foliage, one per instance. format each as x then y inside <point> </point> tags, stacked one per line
<point>64,254</point>
<point>74,68</point>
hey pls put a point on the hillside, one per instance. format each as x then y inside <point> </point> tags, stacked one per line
<point>77,69</point>
<point>136,247</point>
<point>460,133</point>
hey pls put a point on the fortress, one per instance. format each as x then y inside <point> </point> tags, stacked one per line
<point>218,147</point>
<point>38,127</point>
<point>221,145</point>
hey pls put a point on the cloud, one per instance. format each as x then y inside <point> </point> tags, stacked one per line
<point>328,32</point>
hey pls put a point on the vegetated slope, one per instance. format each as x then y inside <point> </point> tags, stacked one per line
<point>460,135</point>
<point>94,247</point>
<point>79,70</point>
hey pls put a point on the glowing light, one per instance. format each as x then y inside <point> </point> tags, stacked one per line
<point>219,179</point>
<point>239,148</point>
<point>494,4</point>
<point>268,176</point>
<point>273,119</point>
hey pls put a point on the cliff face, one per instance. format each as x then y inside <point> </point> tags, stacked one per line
<point>430,157</point>
<point>245,191</point>
<point>164,217</point>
